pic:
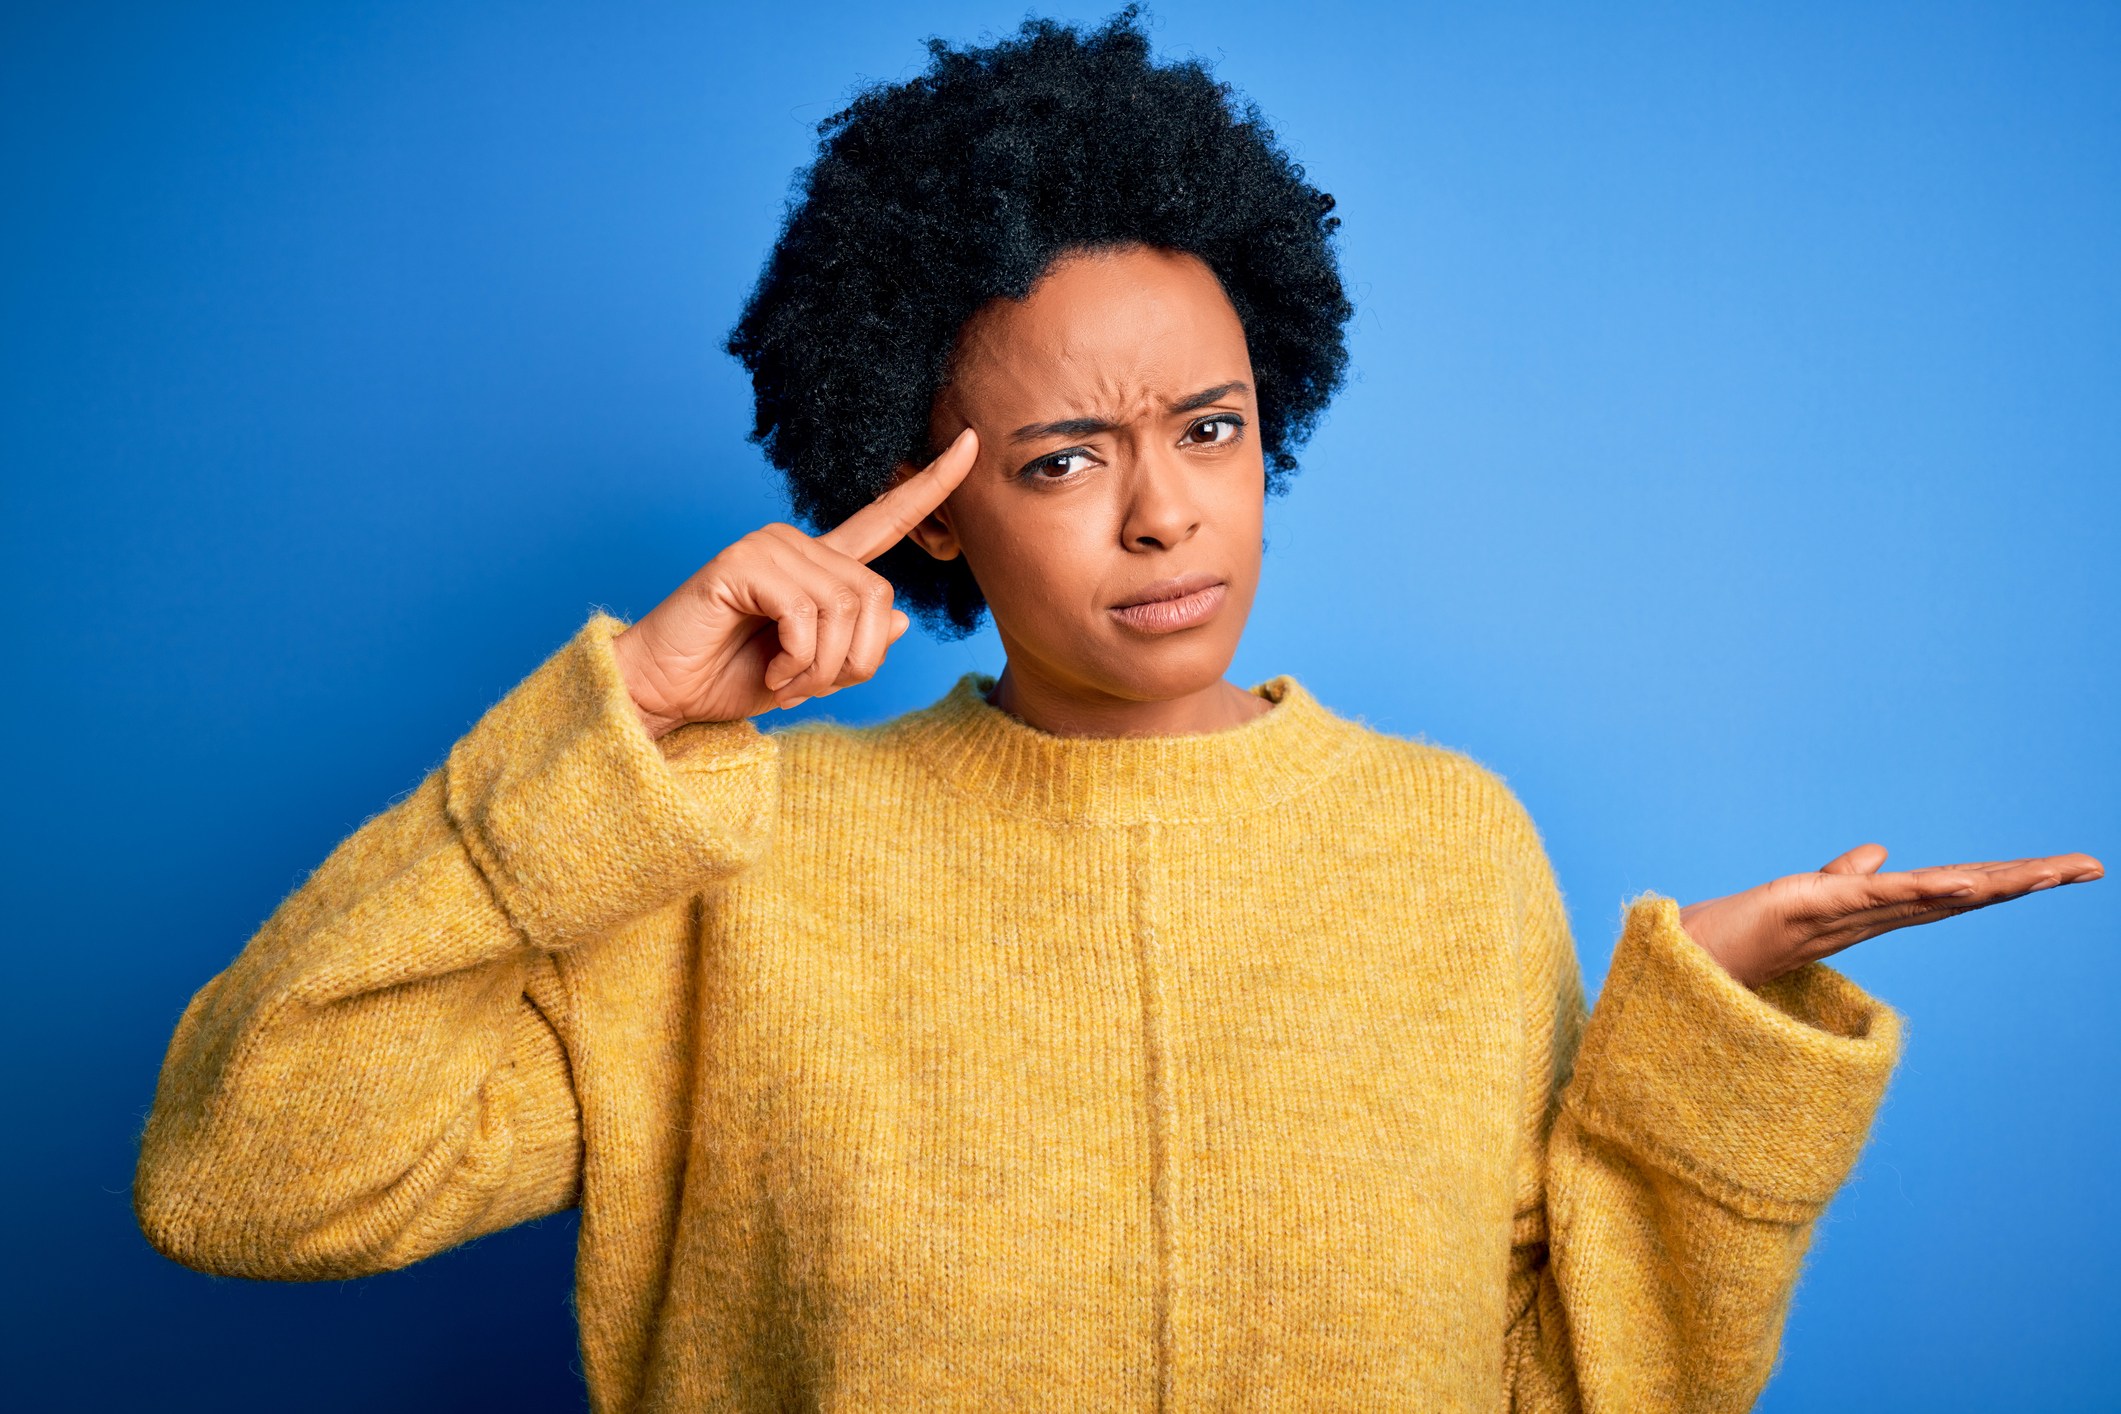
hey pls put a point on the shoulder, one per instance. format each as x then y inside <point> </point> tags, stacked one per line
<point>1418,761</point>
<point>1436,788</point>
<point>821,747</point>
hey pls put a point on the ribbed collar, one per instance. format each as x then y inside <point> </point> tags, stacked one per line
<point>1018,770</point>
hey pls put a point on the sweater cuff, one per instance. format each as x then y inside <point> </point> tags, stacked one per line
<point>579,820</point>
<point>1760,1099</point>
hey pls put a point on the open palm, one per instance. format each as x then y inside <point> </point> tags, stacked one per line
<point>1780,926</point>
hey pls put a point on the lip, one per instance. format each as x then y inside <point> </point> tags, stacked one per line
<point>1173,604</point>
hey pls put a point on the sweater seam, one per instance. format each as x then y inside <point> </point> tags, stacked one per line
<point>1157,1066</point>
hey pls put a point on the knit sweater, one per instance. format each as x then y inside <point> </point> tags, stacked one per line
<point>950,1065</point>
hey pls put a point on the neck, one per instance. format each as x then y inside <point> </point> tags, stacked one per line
<point>1077,712</point>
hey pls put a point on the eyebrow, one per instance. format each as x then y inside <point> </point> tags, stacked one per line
<point>1086,426</point>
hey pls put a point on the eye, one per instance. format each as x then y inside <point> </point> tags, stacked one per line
<point>1213,431</point>
<point>1059,466</point>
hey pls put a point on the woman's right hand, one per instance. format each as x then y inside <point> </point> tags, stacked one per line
<point>781,617</point>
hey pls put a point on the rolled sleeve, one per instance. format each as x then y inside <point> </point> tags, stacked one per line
<point>1761,1099</point>
<point>579,820</point>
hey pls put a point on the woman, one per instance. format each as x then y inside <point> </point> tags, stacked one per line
<point>1104,1036</point>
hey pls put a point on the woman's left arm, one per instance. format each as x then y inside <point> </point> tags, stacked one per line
<point>1721,1093</point>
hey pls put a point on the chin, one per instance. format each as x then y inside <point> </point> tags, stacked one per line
<point>1168,669</point>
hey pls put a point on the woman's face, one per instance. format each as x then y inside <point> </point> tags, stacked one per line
<point>1113,519</point>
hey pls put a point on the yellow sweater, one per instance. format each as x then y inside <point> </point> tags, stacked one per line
<point>947,1065</point>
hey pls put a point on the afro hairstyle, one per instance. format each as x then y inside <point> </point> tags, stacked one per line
<point>932,197</point>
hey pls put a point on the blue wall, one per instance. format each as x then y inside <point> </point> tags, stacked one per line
<point>1731,462</point>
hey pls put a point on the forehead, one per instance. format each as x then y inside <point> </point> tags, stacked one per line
<point>1102,328</point>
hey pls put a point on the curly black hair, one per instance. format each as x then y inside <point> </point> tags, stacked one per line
<point>931,197</point>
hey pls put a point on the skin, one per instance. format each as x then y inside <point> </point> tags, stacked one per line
<point>1103,479</point>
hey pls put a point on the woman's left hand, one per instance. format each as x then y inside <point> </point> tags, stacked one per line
<point>1779,927</point>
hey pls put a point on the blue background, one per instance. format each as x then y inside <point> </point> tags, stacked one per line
<point>1730,462</point>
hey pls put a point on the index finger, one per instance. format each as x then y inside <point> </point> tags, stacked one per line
<point>882,523</point>
<point>1973,885</point>
<point>2063,863</point>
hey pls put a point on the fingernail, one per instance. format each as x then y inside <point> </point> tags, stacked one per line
<point>775,684</point>
<point>790,706</point>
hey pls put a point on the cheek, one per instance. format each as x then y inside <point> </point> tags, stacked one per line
<point>1239,508</point>
<point>1033,553</point>
<point>1247,504</point>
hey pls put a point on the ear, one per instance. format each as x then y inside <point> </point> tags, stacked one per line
<point>933,533</point>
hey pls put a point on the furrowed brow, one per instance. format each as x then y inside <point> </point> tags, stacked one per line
<point>1090,426</point>
<point>1067,427</point>
<point>1209,395</point>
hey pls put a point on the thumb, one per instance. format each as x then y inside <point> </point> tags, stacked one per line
<point>1863,859</point>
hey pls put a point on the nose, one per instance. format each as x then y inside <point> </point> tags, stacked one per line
<point>1161,513</point>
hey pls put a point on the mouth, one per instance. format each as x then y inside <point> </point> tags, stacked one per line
<point>1172,604</point>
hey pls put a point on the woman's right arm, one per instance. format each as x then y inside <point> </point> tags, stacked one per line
<point>384,1071</point>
